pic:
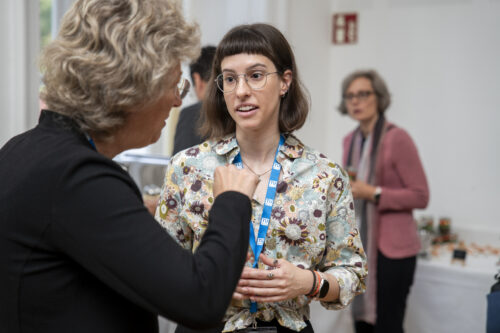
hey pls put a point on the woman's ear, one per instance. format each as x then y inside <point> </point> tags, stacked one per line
<point>286,80</point>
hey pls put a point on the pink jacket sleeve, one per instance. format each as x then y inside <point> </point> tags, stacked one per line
<point>402,177</point>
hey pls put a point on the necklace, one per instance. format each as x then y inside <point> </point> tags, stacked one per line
<point>255,173</point>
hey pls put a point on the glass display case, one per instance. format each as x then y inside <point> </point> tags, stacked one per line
<point>147,170</point>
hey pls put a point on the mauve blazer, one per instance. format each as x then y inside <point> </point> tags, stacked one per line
<point>400,174</point>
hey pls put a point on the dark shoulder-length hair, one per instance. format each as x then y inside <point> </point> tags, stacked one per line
<point>266,40</point>
<point>378,85</point>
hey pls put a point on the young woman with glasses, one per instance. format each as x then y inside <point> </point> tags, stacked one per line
<point>304,243</point>
<point>388,183</point>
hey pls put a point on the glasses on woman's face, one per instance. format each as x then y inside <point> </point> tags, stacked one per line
<point>360,96</point>
<point>227,82</point>
<point>182,88</point>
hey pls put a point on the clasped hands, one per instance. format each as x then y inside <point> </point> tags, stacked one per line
<point>283,281</point>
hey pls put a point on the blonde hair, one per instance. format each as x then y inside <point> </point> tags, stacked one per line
<point>111,56</point>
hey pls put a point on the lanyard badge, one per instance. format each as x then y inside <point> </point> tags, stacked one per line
<point>257,244</point>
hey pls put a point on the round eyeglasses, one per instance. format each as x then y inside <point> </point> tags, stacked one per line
<point>227,82</point>
<point>182,88</point>
<point>360,96</point>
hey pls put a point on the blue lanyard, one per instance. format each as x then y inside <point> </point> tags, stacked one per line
<point>90,140</point>
<point>258,244</point>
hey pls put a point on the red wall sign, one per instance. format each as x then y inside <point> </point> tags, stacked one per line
<point>345,28</point>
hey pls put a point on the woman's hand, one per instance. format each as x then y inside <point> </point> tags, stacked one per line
<point>283,281</point>
<point>362,190</point>
<point>230,178</point>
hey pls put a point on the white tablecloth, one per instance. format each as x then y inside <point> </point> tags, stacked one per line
<point>447,297</point>
<point>444,298</point>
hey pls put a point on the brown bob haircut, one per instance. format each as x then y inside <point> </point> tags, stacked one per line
<point>266,40</point>
<point>378,85</point>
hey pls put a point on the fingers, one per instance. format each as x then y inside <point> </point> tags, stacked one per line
<point>265,293</point>
<point>259,274</point>
<point>263,274</point>
<point>271,262</point>
<point>267,283</point>
<point>271,298</point>
<point>248,292</point>
<point>240,296</point>
<point>230,178</point>
<point>246,272</point>
<point>264,290</point>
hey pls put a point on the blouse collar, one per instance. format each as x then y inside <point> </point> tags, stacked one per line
<point>292,149</point>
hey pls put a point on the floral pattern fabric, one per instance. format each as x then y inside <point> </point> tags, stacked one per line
<point>312,221</point>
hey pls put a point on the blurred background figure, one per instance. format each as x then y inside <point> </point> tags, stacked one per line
<point>493,320</point>
<point>186,132</point>
<point>388,182</point>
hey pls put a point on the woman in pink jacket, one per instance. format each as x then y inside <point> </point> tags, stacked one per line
<point>388,182</point>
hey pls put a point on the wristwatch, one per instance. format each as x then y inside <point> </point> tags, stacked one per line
<point>325,286</point>
<point>376,195</point>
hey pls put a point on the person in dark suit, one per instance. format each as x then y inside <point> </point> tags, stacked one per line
<point>186,132</point>
<point>80,252</point>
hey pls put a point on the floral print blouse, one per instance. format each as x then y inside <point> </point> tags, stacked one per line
<point>312,221</point>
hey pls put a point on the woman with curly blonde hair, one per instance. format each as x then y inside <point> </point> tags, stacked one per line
<point>80,251</point>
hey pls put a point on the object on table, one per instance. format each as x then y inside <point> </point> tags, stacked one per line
<point>459,254</point>
<point>426,238</point>
<point>444,226</point>
<point>426,222</point>
<point>449,238</point>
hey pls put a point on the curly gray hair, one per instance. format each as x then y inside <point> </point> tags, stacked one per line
<point>111,56</point>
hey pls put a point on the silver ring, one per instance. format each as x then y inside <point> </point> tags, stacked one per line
<point>270,275</point>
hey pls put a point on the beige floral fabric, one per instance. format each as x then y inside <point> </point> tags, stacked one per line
<point>312,221</point>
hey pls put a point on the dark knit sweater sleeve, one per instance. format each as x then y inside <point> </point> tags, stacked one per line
<point>101,223</point>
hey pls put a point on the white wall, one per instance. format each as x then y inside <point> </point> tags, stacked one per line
<point>309,35</point>
<point>18,79</point>
<point>441,62</point>
<point>216,17</point>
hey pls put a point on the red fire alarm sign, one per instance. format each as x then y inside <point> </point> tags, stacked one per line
<point>345,28</point>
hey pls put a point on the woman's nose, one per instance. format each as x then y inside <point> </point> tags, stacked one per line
<point>242,87</point>
<point>355,100</point>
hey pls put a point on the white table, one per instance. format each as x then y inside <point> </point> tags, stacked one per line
<point>447,297</point>
<point>444,298</point>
